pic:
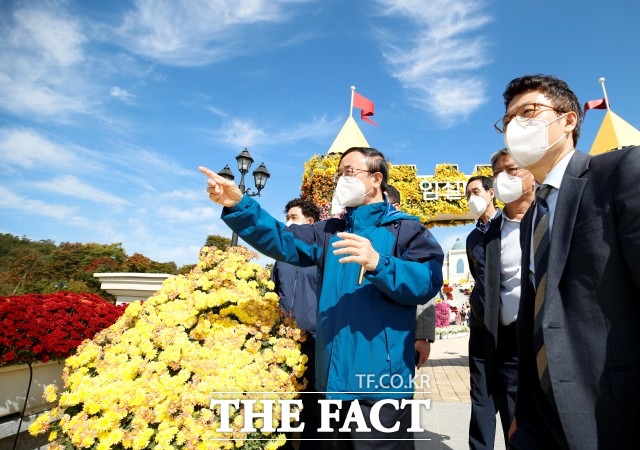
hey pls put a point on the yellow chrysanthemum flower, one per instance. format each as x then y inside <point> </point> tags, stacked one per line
<point>149,379</point>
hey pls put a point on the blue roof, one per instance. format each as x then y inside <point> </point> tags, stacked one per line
<point>459,245</point>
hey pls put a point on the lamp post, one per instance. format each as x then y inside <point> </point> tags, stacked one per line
<point>260,175</point>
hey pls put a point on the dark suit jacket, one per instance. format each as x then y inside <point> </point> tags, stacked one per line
<point>491,319</point>
<point>488,291</point>
<point>591,313</point>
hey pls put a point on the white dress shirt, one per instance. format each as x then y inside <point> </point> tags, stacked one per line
<point>510,270</point>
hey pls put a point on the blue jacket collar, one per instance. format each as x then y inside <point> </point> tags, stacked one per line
<point>374,214</point>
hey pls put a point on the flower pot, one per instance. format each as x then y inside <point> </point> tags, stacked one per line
<point>14,382</point>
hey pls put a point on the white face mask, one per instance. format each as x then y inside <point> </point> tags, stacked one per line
<point>350,191</point>
<point>528,141</point>
<point>508,188</point>
<point>477,206</point>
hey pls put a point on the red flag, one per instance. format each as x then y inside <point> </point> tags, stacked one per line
<point>366,107</point>
<point>595,104</point>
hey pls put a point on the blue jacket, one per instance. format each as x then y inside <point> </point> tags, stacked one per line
<point>365,332</point>
<point>297,288</point>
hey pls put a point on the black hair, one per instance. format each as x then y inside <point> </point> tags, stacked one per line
<point>557,90</point>
<point>487,183</point>
<point>375,163</point>
<point>393,195</point>
<point>308,208</point>
<point>497,155</point>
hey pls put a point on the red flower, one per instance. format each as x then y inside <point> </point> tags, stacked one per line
<point>40,327</point>
<point>9,357</point>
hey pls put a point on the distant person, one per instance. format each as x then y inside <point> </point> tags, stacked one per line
<point>297,288</point>
<point>376,264</point>
<point>579,317</point>
<point>393,196</point>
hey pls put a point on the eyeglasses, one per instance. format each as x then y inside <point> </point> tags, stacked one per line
<point>475,191</point>
<point>350,172</point>
<point>523,114</point>
<point>513,171</point>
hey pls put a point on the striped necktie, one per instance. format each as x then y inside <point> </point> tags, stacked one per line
<point>541,241</point>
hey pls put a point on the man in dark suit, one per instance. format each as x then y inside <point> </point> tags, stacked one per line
<point>493,249</point>
<point>579,318</point>
<point>482,426</point>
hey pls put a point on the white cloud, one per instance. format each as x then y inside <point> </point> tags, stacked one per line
<point>72,186</point>
<point>49,34</point>
<point>217,111</point>
<point>183,195</point>
<point>198,32</point>
<point>435,59</point>
<point>450,96</point>
<point>28,149</point>
<point>188,215</point>
<point>41,47</point>
<point>148,162</point>
<point>318,127</point>
<point>244,133</point>
<point>122,94</point>
<point>11,200</point>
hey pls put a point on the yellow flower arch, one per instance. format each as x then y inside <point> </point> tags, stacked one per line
<point>317,186</point>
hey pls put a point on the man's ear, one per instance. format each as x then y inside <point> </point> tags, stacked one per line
<point>571,121</point>
<point>377,178</point>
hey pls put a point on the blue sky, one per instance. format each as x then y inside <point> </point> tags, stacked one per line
<point>108,108</point>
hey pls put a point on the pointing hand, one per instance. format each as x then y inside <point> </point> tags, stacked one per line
<point>221,191</point>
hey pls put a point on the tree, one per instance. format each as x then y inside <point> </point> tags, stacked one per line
<point>220,242</point>
<point>136,263</point>
<point>22,263</point>
<point>166,267</point>
<point>184,270</point>
<point>42,267</point>
<point>22,274</point>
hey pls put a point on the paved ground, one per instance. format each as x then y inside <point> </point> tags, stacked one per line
<point>446,422</point>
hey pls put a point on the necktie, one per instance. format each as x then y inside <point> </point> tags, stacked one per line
<point>541,241</point>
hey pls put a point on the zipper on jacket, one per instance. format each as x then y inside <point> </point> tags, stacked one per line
<point>386,344</point>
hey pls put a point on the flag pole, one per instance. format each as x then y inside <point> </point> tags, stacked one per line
<point>353,89</point>
<point>606,99</point>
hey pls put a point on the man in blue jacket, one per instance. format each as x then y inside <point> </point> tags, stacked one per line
<point>375,264</point>
<point>297,288</point>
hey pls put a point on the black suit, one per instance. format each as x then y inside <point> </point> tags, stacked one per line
<point>590,315</point>
<point>492,347</point>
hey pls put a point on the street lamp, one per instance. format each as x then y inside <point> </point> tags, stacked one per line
<point>260,175</point>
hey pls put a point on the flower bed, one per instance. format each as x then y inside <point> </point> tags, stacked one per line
<point>148,381</point>
<point>452,331</point>
<point>43,327</point>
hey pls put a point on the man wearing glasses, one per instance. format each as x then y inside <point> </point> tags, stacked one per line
<point>579,317</point>
<point>375,264</point>
<point>495,259</point>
